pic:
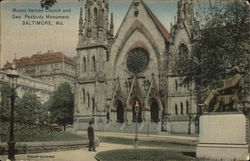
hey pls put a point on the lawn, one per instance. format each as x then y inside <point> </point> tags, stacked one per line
<point>150,143</point>
<point>32,133</point>
<point>142,154</point>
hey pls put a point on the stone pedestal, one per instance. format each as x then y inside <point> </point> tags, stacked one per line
<point>223,136</point>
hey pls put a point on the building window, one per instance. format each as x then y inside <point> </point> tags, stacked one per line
<point>83,95</point>
<point>188,84</point>
<point>187,107</point>
<point>183,50</point>
<point>84,64</point>
<point>176,109</point>
<point>137,60</point>
<point>95,13</point>
<point>107,56</point>
<point>181,108</point>
<point>93,105</point>
<point>176,85</point>
<point>88,97</point>
<point>94,63</point>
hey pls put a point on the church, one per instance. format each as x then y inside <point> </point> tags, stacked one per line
<point>127,78</point>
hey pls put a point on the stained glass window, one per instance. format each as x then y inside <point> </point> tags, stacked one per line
<point>137,60</point>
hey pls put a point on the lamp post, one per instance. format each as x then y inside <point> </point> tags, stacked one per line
<point>13,83</point>
<point>148,123</point>
<point>137,108</point>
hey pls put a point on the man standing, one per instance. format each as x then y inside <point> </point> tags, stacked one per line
<point>91,136</point>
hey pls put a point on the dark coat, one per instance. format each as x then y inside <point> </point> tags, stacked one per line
<point>90,132</point>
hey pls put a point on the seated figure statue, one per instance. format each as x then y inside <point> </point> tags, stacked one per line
<point>223,99</point>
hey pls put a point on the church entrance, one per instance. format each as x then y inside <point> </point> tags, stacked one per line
<point>139,119</point>
<point>154,111</point>
<point>120,112</point>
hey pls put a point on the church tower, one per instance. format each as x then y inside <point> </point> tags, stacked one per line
<point>181,101</point>
<point>94,35</point>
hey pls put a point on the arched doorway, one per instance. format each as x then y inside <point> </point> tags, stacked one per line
<point>139,117</point>
<point>120,112</point>
<point>154,111</point>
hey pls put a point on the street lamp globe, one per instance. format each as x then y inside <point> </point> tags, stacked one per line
<point>13,75</point>
<point>137,107</point>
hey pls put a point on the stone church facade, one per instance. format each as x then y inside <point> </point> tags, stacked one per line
<point>135,65</point>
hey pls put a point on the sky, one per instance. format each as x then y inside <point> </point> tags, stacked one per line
<point>18,40</point>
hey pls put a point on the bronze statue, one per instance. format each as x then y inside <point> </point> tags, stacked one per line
<point>223,99</point>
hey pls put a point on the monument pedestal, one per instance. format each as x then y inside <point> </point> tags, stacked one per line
<point>223,136</point>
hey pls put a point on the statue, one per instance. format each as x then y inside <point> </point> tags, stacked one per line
<point>223,99</point>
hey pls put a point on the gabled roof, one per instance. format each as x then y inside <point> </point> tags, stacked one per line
<point>157,22</point>
<point>159,25</point>
<point>117,95</point>
<point>38,59</point>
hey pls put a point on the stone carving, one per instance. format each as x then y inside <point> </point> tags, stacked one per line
<point>223,99</point>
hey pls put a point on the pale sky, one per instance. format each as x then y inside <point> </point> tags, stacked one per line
<point>26,40</point>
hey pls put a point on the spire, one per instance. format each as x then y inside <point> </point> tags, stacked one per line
<point>96,18</point>
<point>111,30</point>
<point>185,10</point>
<point>94,26</point>
<point>81,23</point>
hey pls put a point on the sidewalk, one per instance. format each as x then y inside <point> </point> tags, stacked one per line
<point>71,155</point>
<point>169,137</point>
<point>81,154</point>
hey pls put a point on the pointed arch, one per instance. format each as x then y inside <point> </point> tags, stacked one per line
<point>94,63</point>
<point>176,85</point>
<point>84,64</point>
<point>120,111</point>
<point>95,13</point>
<point>176,109</point>
<point>139,116</point>
<point>93,105</point>
<point>187,107</point>
<point>183,49</point>
<point>182,108</point>
<point>154,110</point>
<point>83,95</point>
<point>138,26</point>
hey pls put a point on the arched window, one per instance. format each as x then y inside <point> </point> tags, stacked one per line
<point>176,109</point>
<point>187,107</point>
<point>181,108</point>
<point>93,105</point>
<point>84,64</point>
<point>94,63</point>
<point>183,50</point>
<point>107,56</point>
<point>88,97</point>
<point>95,13</point>
<point>83,95</point>
<point>176,85</point>
<point>89,13</point>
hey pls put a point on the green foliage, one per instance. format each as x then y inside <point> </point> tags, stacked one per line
<point>47,3</point>
<point>5,93</point>
<point>62,105</point>
<point>27,108</point>
<point>224,43</point>
<point>36,132</point>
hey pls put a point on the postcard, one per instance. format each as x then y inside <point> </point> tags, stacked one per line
<point>124,80</point>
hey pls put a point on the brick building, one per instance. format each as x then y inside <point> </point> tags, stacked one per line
<point>51,67</point>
